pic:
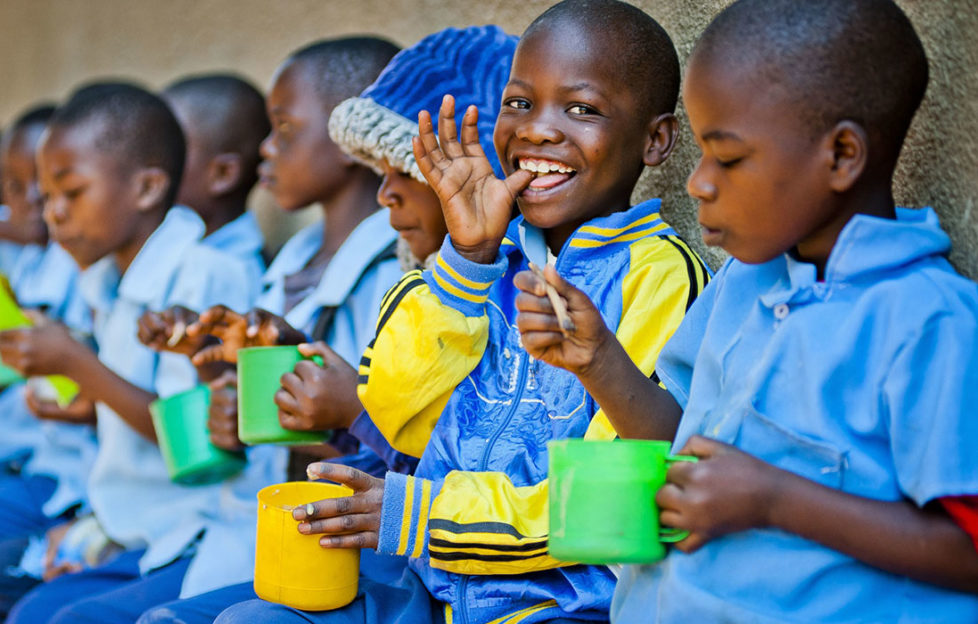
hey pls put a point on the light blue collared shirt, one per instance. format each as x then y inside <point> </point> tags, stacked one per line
<point>865,382</point>
<point>243,239</point>
<point>129,489</point>
<point>355,284</point>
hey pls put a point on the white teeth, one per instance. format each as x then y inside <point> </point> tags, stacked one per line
<point>543,166</point>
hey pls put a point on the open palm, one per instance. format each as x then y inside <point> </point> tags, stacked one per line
<point>476,204</point>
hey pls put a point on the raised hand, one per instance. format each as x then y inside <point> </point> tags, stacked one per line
<point>350,522</point>
<point>167,331</point>
<point>476,204</point>
<point>318,397</point>
<point>542,334</point>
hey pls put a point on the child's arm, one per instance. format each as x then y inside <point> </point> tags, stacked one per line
<point>636,406</point>
<point>50,350</point>
<point>730,491</point>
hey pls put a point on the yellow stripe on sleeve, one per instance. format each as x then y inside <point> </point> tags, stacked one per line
<point>402,543</point>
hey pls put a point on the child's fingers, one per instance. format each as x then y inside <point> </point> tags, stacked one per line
<point>227,379</point>
<point>539,304</point>
<point>320,348</point>
<point>537,342</point>
<point>346,524</point>
<point>517,181</point>
<point>357,480</point>
<point>681,473</point>
<point>361,540</point>
<point>528,322</point>
<point>426,162</point>
<point>470,133</point>
<point>209,355</point>
<point>447,131</point>
<point>703,447</point>
<point>530,282</point>
<point>427,142</point>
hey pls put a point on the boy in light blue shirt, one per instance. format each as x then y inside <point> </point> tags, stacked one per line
<point>109,166</point>
<point>827,377</point>
<point>223,120</point>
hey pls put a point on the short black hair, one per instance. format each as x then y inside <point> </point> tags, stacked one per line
<point>642,46</point>
<point>137,127</point>
<point>835,60</point>
<point>38,114</point>
<point>343,67</point>
<point>229,112</point>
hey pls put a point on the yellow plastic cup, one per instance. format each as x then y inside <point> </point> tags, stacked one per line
<point>293,569</point>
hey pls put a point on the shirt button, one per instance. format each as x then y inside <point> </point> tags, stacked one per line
<point>781,311</point>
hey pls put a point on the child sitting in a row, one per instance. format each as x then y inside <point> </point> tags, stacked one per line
<point>223,120</point>
<point>109,166</point>
<point>827,377</point>
<point>446,377</point>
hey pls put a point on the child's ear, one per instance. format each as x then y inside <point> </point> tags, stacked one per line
<point>663,132</point>
<point>224,173</point>
<point>152,185</point>
<point>849,147</point>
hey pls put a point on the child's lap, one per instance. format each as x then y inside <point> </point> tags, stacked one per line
<point>111,593</point>
<point>23,498</point>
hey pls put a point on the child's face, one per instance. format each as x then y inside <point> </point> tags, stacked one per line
<point>19,175</point>
<point>760,181</point>
<point>301,163</point>
<point>567,108</point>
<point>414,209</point>
<point>89,197</point>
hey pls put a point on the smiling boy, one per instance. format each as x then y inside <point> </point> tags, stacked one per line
<point>447,377</point>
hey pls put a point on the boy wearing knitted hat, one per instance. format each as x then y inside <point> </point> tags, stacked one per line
<point>589,103</point>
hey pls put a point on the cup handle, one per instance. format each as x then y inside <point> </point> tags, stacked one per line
<point>670,535</point>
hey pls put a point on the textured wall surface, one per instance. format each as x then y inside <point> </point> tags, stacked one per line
<point>47,46</point>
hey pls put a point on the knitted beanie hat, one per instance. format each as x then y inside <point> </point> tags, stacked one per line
<point>472,64</point>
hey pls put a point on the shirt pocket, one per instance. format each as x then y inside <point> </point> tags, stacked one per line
<point>814,459</point>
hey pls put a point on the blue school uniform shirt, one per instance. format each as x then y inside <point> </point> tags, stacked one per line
<point>353,283</point>
<point>129,488</point>
<point>243,239</point>
<point>866,382</point>
<point>45,278</point>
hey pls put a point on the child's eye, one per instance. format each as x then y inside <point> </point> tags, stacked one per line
<point>581,109</point>
<point>73,193</point>
<point>518,103</point>
<point>728,163</point>
<point>283,127</point>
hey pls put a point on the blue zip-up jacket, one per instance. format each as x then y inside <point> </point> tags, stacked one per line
<point>447,376</point>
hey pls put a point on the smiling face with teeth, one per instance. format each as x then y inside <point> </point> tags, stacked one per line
<point>569,116</point>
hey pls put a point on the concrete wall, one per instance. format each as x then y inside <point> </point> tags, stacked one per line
<point>47,46</point>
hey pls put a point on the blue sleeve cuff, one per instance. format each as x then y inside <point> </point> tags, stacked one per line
<point>404,515</point>
<point>461,283</point>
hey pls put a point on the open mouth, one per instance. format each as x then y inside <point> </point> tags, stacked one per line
<point>549,173</point>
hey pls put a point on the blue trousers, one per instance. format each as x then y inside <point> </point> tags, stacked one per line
<point>204,608</point>
<point>22,499</point>
<point>113,593</point>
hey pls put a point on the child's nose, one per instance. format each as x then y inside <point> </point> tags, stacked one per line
<point>385,194</point>
<point>539,128</point>
<point>699,186</point>
<point>267,148</point>
<point>54,211</point>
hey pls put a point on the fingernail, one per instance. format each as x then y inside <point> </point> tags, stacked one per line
<point>304,527</point>
<point>310,510</point>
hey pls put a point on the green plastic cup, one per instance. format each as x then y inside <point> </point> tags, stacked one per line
<point>259,372</point>
<point>181,431</point>
<point>602,500</point>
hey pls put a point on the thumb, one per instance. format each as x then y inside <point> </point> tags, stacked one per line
<point>704,448</point>
<point>576,299</point>
<point>517,181</point>
<point>225,379</point>
<point>320,348</point>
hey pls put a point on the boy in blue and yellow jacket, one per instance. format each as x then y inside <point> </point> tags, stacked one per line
<point>447,377</point>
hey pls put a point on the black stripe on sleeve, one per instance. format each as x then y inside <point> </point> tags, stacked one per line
<point>694,288</point>
<point>477,557</point>
<point>477,527</point>
<point>440,543</point>
<point>408,287</point>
